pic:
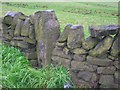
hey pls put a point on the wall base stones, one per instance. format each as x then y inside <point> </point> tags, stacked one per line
<point>93,62</point>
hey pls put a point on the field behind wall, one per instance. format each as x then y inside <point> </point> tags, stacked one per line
<point>84,13</point>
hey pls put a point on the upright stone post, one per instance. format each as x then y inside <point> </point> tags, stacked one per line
<point>47,30</point>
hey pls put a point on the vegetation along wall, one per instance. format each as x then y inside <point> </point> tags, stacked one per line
<point>93,62</point>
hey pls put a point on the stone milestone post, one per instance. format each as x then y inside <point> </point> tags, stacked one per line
<point>47,30</point>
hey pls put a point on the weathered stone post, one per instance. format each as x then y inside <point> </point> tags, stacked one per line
<point>47,30</point>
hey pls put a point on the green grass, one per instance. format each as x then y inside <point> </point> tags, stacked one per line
<point>86,14</point>
<point>17,72</point>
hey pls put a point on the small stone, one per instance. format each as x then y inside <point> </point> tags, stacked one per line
<point>32,32</point>
<point>99,62</point>
<point>28,40</point>
<point>90,43</point>
<point>103,30</point>
<point>61,44</point>
<point>106,70</point>
<point>8,18</point>
<point>7,36</point>
<point>60,53</point>
<point>62,61</point>
<point>66,50</point>
<point>64,35</point>
<point>79,58</point>
<point>85,75</point>
<point>102,47</point>
<point>75,36</point>
<point>117,64</point>
<point>18,38</point>
<point>115,49</point>
<point>106,80</point>
<point>25,27</point>
<point>79,51</point>
<point>113,58</point>
<point>75,65</point>
<point>18,28</point>
<point>117,78</point>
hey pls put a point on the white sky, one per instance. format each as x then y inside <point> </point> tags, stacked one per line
<point>59,0</point>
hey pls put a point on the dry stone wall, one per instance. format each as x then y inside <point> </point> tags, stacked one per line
<point>93,62</point>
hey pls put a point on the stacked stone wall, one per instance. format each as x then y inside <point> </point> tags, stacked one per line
<point>93,62</point>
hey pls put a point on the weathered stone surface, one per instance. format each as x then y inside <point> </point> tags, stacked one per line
<point>18,27</point>
<point>79,51</point>
<point>103,30</point>
<point>75,65</point>
<point>83,84</point>
<point>28,40</point>
<point>66,50</point>
<point>117,78</point>
<point>7,36</point>
<point>47,33</point>
<point>62,61</point>
<point>98,61</point>
<point>8,17</point>
<point>60,53</point>
<point>111,86</point>
<point>106,70</point>
<point>11,32</point>
<point>33,63</point>
<point>4,28</point>
<point>64,35</point>
<point>18,38</point>
<point>113,58</point>
<point>115,49</point>
<point>106,80</point>
<point>63,44</point>
<point>15,19</point>
<point>25,27</point>
<point>79,57</point>
<point>102,47</point>
<point>90,43</point>
<point>117,64</point>
<point>32,32</point>
<point>85,75</point>
<point>20,44</point>
<point>30,55</point>
<point>75,36</point>
<point>31,19</point>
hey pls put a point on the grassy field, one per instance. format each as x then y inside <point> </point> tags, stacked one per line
<point>84,13</point>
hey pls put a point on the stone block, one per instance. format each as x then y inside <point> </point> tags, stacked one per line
<point>102,47</point>
<point>66,50</point>
<point>47,31</point>
<point>8,18</point>
<point>99,62</point>
<point>62,61</point>
<point>64,35</point>
<point>79,57</point>
<point>25,27</point>
<point>62,45</point>
<point>107,80</point>
<point>115,49</point>
<point>29,40</point>
<point>60,53</point>
<point>79,51</point>
<point>75,36</point>
<point>19,38</point>
<point>106,70</point>
<point>90,43</point>
<point>30,55</point>
<point>85,75</point>
<point>117,77</point>
<point>117,64</point>
<point>18,27</point>
<point>32,32</point>
<point>98,31</point>
<point>82,66</point>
